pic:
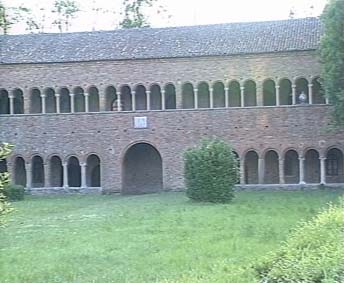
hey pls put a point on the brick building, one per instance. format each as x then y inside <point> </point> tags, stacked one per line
<point>114,111</point>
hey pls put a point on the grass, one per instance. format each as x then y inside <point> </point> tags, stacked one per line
<point>151,238</point>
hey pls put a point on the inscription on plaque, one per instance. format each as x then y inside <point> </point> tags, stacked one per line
<point>140,122</point>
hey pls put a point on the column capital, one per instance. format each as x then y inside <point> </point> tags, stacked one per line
<point>277,86</point>
<point>86,94</point>
<point>242,88</point>
<point>280,159</point>
<point>310,85</point>
<point>301,158</point>
<point>72,94</point>
<point>43,95</point>
<point>195,89</point>
<point>64,164</point>
<point>211,89</point>
<point>57,94</point>
<point>148,91</point>
<point>226,88</point>
<point>83,164</point>
<point>133,92</point>
<point>322,158</point>
<point>163,91</point>
<point>11,96</point>
<point>293,85</point>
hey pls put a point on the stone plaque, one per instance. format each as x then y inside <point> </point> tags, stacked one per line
<point>140,122</point>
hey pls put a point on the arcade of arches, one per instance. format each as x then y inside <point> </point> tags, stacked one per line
<point>142,169</point>
<point>156,97</point>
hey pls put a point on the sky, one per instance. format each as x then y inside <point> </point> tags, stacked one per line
<point>178,12</point>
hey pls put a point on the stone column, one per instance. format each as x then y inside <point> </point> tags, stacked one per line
<point>102,99</point>
<point>119,101</point>
<point>65,174</point>
<point>211,97</point>
<point>261,170</point>
<point>259,94</point>
<point>148,99</point>
<point>327,100</point>
<point>302,170</point>
<point>43,96</point>
<point>242,171</point>
<point>58,107</point>
<point>293,87</point>
<point>83,175</point>
<point>28,167</point>
<point>310,93</point>
<point>11,97</point>
<point>163,102</point>
<point>179,96</point>
<point>226,97</point>
<point>281,170</point>
<point>242,96</point>
<point>47,175</point>
<point>87,102</point>
<point>323,170</point>
<point>133,100</point>
<point>277,95</point>
<point>72,105</point>
<point>196,98</point>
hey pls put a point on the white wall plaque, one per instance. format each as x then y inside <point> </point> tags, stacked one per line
<point>140,122</point>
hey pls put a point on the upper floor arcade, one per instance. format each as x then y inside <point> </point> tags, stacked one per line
<point>206,94</point>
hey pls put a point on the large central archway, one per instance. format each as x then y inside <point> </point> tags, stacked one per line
<point>142,170</point>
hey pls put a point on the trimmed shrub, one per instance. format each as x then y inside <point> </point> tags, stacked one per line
<point>14,192</point>
<point>312,253</point>
<point>210,172</point>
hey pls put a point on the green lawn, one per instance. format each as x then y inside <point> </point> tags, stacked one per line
<point>151,238</point>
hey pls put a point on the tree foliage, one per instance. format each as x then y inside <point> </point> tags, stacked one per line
<point>66,10</point>
<point>5,150</point>
<point>211,171</point>
<point>332,57</point>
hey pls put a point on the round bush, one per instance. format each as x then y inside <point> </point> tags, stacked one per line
<point>14,192</point>
<point>312,253</point>
<point>210,172</point>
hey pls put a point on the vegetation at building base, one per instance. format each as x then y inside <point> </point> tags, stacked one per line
<point>161,238</point>
<point>332,57</point>
<point>211,172</point>
<point>5,150</point>
<point>14,192</point>
<point>312,253</point>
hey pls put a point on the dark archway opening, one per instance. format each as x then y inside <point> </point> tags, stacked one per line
<point>271,168</point>
<point>74,172</point>
<point>19,172</point>
<point>251,168</point>
<point>37,172</point>
<point>56,172</point>
<point>142,170</point>
<point>312,167</point>
<point>291,167</point>
<point>334,166</point>
<point>93,171</point>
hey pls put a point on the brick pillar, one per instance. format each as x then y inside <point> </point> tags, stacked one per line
<point>259,94</point>
<point>26,99</point>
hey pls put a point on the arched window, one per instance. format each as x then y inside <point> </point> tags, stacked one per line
<point>269,93</point>
<point>271,168</point>
<point>35,101</point>
<point>291,167</point>
<point>79,99</point>
<point>219,94</point>
<point>312,167</point>
<point>56,172</point>
<point>19,172</point>
<point>93,171</point>
<point>37,172</point>
<point>203,95</point>
<point>250,93</point>
<point>286,92</point>
<point>50,100</point>
<point>93,99</point>
<point>334,166</point>
<point>188,97</point>
<point>155,97</point>
<point>234,94</point>
<point>4,102</point>
<point>126,98</point>
<point>65,106</point>
<point>74,172</point>
<point>18,101</point>
<point>318,92</point>
<point>141,98</point>
<point>170,97</point>
<point>251,167</point>
<point>301,87</point>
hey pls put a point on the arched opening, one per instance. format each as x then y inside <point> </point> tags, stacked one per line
<point>126,98</point>
<point>291,167</point>
<point>111,99</point>
<point>141,98</point>
<point>19,172</point>
<point>155,97</point>
<point>312,167</point>
<point>142,170</point>
<point>56,172</point>
<point>188,97</point>
<point>65,106</point>
<point>271,168</point>
<point>269,93</point>
<point>334,166</point>
<point>219,94</point>
<point>93,99</point>
<point>251,167</point>
<point>4,102</point>
<point>35,101</point>
<point>285,92</point>
<point>37,172</point>
<point>301,87</point>
<point>250,93</point>
<point>234,94</point>
<point>3,166</point>
<point>203,95</point>
<point>93,171</point>
<point>18,101</point>
<point>74,172</point>
<point>79,100</point>
<point>170,97</point>
<point>318,92</point>
<point>50,100</point>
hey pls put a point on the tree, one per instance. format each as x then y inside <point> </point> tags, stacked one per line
<point>332,57</point>
<point>5,150</point>
<point>210,172</point>
<point>66,10</point>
